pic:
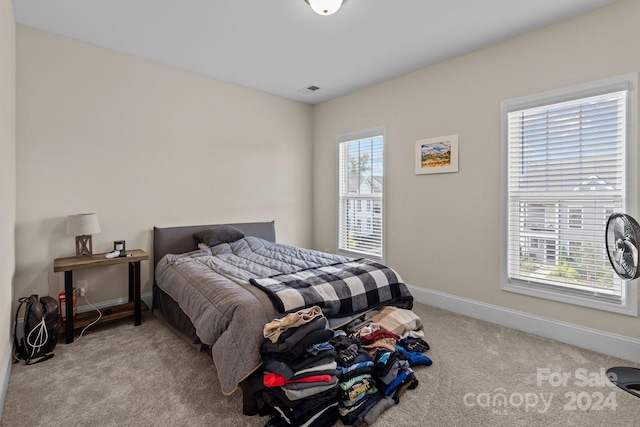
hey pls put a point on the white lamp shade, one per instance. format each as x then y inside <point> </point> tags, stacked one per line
<point>82,224</point>
<point>325,7</point>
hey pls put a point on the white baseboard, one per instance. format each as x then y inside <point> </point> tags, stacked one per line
<point>146,298</point>
<point>591,339</point>
<point>6,372</point>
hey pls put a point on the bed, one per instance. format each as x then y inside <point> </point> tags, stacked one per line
<point>217,298</point>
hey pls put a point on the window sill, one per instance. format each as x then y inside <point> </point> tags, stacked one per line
<point>628,307</point>
<point>360,255</point>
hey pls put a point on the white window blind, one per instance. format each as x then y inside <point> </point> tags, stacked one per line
<point>566,175</point>
<point>361,194</point>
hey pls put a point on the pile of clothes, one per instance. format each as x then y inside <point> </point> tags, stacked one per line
<point>313,375</point>
<point>300,371</point>
<point>376,357</point>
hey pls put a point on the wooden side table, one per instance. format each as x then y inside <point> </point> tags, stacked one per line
<point>134,306</point>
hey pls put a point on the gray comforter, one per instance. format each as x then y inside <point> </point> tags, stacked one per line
<point>212,287</point>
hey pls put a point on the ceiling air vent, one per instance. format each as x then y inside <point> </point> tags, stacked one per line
<point>309,89</point>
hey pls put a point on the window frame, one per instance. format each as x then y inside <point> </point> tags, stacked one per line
<point>629,82</point>
<point>379,131</point>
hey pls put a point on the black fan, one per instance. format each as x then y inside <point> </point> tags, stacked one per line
<point>623,233</point>
<point>622,245</point>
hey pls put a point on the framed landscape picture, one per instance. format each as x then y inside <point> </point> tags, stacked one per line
<point>437,155</point>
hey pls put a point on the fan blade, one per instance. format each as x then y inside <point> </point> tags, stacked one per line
<point>619,228</point>
<point>617,255</point>
<point>629,260</point>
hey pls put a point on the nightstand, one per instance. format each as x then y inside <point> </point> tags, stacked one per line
<point>133,307</point>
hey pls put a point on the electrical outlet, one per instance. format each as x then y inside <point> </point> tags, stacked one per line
<point>83,286</point>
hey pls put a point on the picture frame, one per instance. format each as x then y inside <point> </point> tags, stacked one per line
<point>436,155</point>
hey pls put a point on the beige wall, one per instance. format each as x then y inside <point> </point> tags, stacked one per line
<point>7,181</point>
<point>443,231</point>
<point>147,145</point>
<point>144,145</point>
<point>7,185</point>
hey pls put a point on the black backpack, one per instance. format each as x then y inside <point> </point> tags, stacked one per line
<point>40,333</point>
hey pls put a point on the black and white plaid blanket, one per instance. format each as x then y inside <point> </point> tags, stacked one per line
<point>339,289</point>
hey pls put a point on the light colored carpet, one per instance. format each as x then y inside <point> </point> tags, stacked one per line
<point>147,376</point>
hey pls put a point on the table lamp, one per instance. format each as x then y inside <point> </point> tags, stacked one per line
<point>83,226</point>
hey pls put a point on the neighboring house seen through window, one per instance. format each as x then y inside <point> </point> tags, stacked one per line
<point>360,193</point>
<point>570,161</point>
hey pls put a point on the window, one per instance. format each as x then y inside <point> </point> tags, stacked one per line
<point>567,157</point>
<point>360,193</point>
<point>575,217</point>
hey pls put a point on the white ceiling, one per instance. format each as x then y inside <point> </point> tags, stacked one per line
<point>282,46</point>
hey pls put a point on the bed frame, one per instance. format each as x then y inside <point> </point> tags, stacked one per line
<point>177,240</point>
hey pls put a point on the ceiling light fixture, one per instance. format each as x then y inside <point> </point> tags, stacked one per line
<point>325,7</point>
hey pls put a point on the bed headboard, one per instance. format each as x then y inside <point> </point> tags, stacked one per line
<point>177,240</point>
